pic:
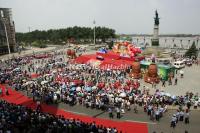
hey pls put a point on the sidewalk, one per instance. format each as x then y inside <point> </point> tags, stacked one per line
<point>27,52</point>
<point>184,107</point>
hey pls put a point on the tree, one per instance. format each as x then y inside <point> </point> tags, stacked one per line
<point>79,34</point>
<point>192,51</point>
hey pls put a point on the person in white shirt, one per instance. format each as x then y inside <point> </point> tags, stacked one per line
<point>195,104</point>
<point>181,116</point>
<point>173,121</point>
<point>177,116</point>
<point>187,117</point>
<point>157,115</point>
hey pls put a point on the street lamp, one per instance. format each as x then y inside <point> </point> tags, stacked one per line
<point>94,31</point>
<point>3,20</point>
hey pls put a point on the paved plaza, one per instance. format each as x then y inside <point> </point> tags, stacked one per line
<point>190,82</point>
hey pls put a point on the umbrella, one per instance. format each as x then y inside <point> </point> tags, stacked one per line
<point>29,82</point>
<point>58,92</point>
<point>73,88</point>
<point>123,94</point>
<point>17,69</point>
<point>89,83</point>
<point>173,97</point>
<point>94,88</point>
<point>78,88</point>
<point>111,95</point>
<point>64,86</point>
<point>158,93</point>
<point>162,93</point>
<point>103,94</point>
<point>167,94</point>
<point>44,82</point>
<point>77,82</point>
<point>88,88</point>
<point>80,94</point>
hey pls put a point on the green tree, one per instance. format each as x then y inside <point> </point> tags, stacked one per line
<point>79,34</point>
<point>192,51</point>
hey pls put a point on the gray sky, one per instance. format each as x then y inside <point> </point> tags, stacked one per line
<point>125,16</point>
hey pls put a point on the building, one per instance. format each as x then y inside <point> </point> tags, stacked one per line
<point>7,31</point>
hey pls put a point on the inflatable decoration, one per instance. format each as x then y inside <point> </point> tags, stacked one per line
<point>136,72</point>
<point>100,57</point>
<point>152,75</point>
<point>71,53</point>
<point>126,49</point>
<point>102,50</point>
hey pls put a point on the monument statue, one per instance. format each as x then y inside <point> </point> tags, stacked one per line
<point>156,18</point>
<point>155,39</point>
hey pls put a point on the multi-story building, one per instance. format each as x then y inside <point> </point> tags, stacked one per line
<point>7,31</point>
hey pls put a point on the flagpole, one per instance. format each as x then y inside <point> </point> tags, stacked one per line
<point>94,31</point>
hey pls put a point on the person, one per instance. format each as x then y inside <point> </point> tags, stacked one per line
<point>181,115</point>
<point>39,107</point>
<point>118,113</point>
<point>182,73</point>
<point>170,81</point>
<point>196,104</point>
<point>128,105</point>
<point>110,112</point>
<point>176,80</point>
<point>173,121</point>
<point>163,83</point>
<point>157,115</point>
<point>188,105</point>
<point>1,92</point>
<point>7,92</point>
<point>177,116</point>
<point>187,117</point>
<point>135,108</point>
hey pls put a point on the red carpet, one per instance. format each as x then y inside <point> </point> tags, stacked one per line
<point>125,127</point>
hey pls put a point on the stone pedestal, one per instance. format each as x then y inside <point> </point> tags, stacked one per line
<point>155,40</point>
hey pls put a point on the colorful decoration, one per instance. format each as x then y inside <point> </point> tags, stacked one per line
<point>126,49</point>
<point>71,53</point>
<point>102,50</point>
<point>152,75</point>
<point>136,72</point>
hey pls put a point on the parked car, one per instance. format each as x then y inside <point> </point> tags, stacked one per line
<point>179,64</point>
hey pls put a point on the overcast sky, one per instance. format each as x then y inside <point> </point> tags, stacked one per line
<point>125,16</point>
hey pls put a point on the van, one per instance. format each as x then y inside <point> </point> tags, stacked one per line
<point>179,64</point>
<point>164,61</point>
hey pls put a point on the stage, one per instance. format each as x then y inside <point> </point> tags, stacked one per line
<point>109,60</point>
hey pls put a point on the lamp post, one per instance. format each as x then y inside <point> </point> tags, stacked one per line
<point>94,31</point>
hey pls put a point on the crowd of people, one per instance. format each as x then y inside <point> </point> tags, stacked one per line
<point>20,119</point>
<point>60,80</point>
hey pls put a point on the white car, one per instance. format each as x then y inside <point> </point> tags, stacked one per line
<point>179,64</point>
